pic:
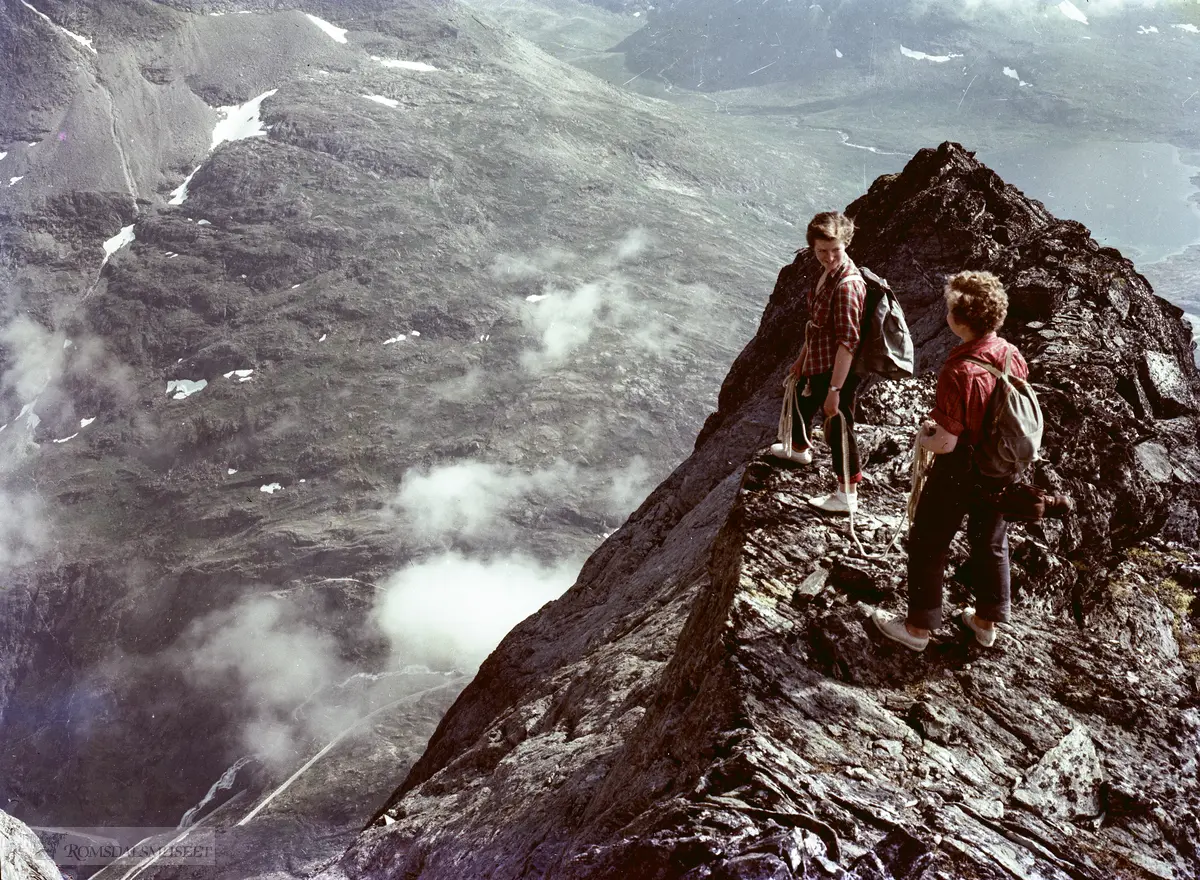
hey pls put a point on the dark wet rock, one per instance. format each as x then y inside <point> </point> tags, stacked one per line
<point>711,699</point>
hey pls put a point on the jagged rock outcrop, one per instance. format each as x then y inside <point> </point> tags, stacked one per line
<point>22,856</point>
<point>709,700</point>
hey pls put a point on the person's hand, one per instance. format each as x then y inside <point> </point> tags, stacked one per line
<point>929,427</point>
<point>795,371</point>
<point>832,399</point>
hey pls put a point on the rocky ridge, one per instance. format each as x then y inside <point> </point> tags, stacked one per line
<point>709,700</point>
<point>382,259</point>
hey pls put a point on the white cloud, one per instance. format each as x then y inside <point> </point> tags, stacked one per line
<point>261,650</point>
<point>23,528</point>
<point>36,358</point>
<point>453,610</point>
<point>633,244</point>
<point>566,319</point>
<point>468,498</point>
<point>519,267</point>
<point>629,488</point>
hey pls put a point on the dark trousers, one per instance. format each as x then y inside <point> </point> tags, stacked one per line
<point>806,409</point>
<point>953,489</point>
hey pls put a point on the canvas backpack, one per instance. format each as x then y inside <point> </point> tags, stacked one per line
<point>1012,425</point>
<point>885,347</point>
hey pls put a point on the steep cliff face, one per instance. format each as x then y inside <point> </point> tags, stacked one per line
<point>424,245</point>
<point>709,700</point>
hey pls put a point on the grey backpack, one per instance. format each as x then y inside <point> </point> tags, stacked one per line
<point>1012,425</point>
<point>885,347</point>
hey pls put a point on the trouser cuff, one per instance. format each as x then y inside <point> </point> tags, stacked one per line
<point>994,613</point>
<point>925,618</point>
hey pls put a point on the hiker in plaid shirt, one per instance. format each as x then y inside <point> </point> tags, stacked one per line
<point>822,371</point>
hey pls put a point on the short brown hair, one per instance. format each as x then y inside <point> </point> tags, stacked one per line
<point>977,300</point>
<point>832,225</point>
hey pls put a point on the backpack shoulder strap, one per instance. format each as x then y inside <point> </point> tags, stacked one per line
<point>991,369</point>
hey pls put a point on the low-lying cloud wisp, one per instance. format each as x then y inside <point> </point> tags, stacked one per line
<point>452,610</point>
<point>468,498</point>
<point>263,650</point>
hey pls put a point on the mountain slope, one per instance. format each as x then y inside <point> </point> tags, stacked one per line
<point>709,700</point>
<point>414,250</point>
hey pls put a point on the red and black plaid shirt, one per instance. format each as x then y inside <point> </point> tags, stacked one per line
<point>964,388</point>
<point>834,311</point>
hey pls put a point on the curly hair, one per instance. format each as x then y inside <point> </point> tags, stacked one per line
<point>832,225</point>
<point>977,300</point>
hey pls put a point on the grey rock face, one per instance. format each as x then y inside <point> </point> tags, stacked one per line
<point>1065,783</point>
<point>705,702</point>
<point>22,856</point>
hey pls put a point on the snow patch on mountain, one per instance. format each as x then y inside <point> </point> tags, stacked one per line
<point>180,193</point>
<point>240,121</point>
<point>1012,74</point>
<point>12,181</point>
<point>81,40</point>
<point>270,488</point>
<point>922,56</point>
<point>183,388</point>
<point>1142,29</point>
<point>118,241</point>
<point>336,33</point>
<point>405,65</point>
<point>1190,28</point>
<point>380,99</point>
<point>1071,11</point>
<point>3,154</point>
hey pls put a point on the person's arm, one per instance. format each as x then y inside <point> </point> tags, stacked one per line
<point>937,439</point>
<point>848,302</point>
<point>841,370</point>
<point>940,433</point>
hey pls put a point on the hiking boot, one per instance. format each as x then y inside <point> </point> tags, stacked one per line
<point>985,637</point>
<point>791,453</point>
<point>894,628</point>
<point>836,502</point>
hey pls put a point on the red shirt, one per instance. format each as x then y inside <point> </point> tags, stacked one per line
<point>963,388</point>
<point>834,312</point>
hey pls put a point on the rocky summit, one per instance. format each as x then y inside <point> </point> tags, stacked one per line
<point>709,699</point>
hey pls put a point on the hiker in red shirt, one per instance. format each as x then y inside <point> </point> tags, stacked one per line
<point>976,308</point>
<point>822,371</point>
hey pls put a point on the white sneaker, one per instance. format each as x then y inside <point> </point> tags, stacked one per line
<point>893,627</point>
<point>836,502</point>
<point>985,637</point>
<point>789,453</point>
